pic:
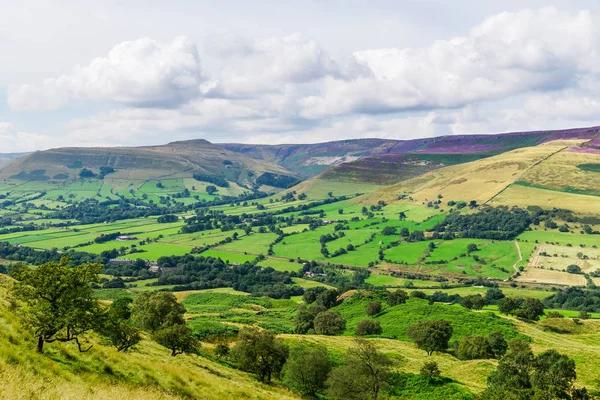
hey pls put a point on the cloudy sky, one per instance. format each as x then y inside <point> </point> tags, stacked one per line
<point>134,72</point>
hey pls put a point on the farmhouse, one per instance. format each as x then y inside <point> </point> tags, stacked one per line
<point>120,261</point>
<point>123,238</point>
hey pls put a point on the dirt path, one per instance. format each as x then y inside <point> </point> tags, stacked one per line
<point>520,257</point>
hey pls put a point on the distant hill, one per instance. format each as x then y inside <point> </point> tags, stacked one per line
<point>310,159</point>
<point>6,158</point>
<point>174,160</point>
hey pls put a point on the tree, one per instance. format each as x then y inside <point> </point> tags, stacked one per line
<point>328,298</point>
<point>471,247</point>
<point>310,295</point>
<point>373,308</point>
<point>511,380</point>
<point>177,338</point>
<point>531,309</point>
<point>508,305</point>
<point>221,350</point>
<point>305,317</point>
<point>431,335</point>
<point>60,302</point>
<point>211,189</point>
<point>553,375</point>
<point>404,232</point>
<point>329,323</point>
<point>389,230</point>
<point>306,369</point>
<point>497,343</point>
<point>368,327</point>
<point>156,311</point>
<point>430,370</point>
<point>574,269</point>
<point>116,327</point>
<point>397,297</point>
<point>473,348</point>
<point>365,372</point>
<point>521,376</point>
<point>492,295</point>
<point>473,302</point>
<point>259,352</point>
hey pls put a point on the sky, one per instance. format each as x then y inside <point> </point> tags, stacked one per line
<point>128,73</point>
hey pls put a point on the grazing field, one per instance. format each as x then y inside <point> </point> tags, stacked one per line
<point>538,275</point>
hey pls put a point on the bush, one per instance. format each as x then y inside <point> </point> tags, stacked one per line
<point>397,297</point>
<point>368,327</point>
<point>373,308</point>
<point>329,323</point>
<point>430,370</point>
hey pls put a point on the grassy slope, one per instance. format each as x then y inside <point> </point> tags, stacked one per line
<point>103,373</point>
<point>548,166</point>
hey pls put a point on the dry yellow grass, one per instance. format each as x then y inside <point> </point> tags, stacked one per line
<point>560,171</point>
<point>523,196</point>
<point>538,275</point>
<point>103,373</point>
<point>479,180</point>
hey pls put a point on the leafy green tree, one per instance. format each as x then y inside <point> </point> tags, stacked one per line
<point>473,302</point>
<point>365,372</point>
<point>305,317</point>
<point>493,295</point>
<point>373,308</point>
<point>116,327</point>
<point>473,348</point>
<point>431,335</point>
<point>511,380</point>
<point>306,369</point>
<point>121,334</point>
<point>471,247</point>
<point>498,344</point>
<point>508,305</point>
<point>397,297</point>
<point>430,370</point>
<point>177,338</point>
<point>531,309</point>
<point>368,327</point>
<point>59,300</point>
<point>574,269</point>
<point>310,295</point>
<point>329,323</point>
<point>221,350</point>
<point>522,376</point>
<point>328,298</point>
<point>154,311</point>
<point>211,189</point>
<point>259,352</point>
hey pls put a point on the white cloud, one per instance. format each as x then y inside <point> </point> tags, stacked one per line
<point>529,69</point>
<point>507,54</point>
<point>17,141</point>
<point>142,73</point>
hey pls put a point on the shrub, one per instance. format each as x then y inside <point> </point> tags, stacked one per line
<point>368,327</point>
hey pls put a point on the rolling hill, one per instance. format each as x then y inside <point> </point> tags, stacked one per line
<point>153,171</point>
<point>558,173</point>
<point>310,159</point>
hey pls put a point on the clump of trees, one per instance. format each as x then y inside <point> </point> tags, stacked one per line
<point>481,347</point>
<point>522,375</point>
<point>527,309</point>
<point>498,223</point>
